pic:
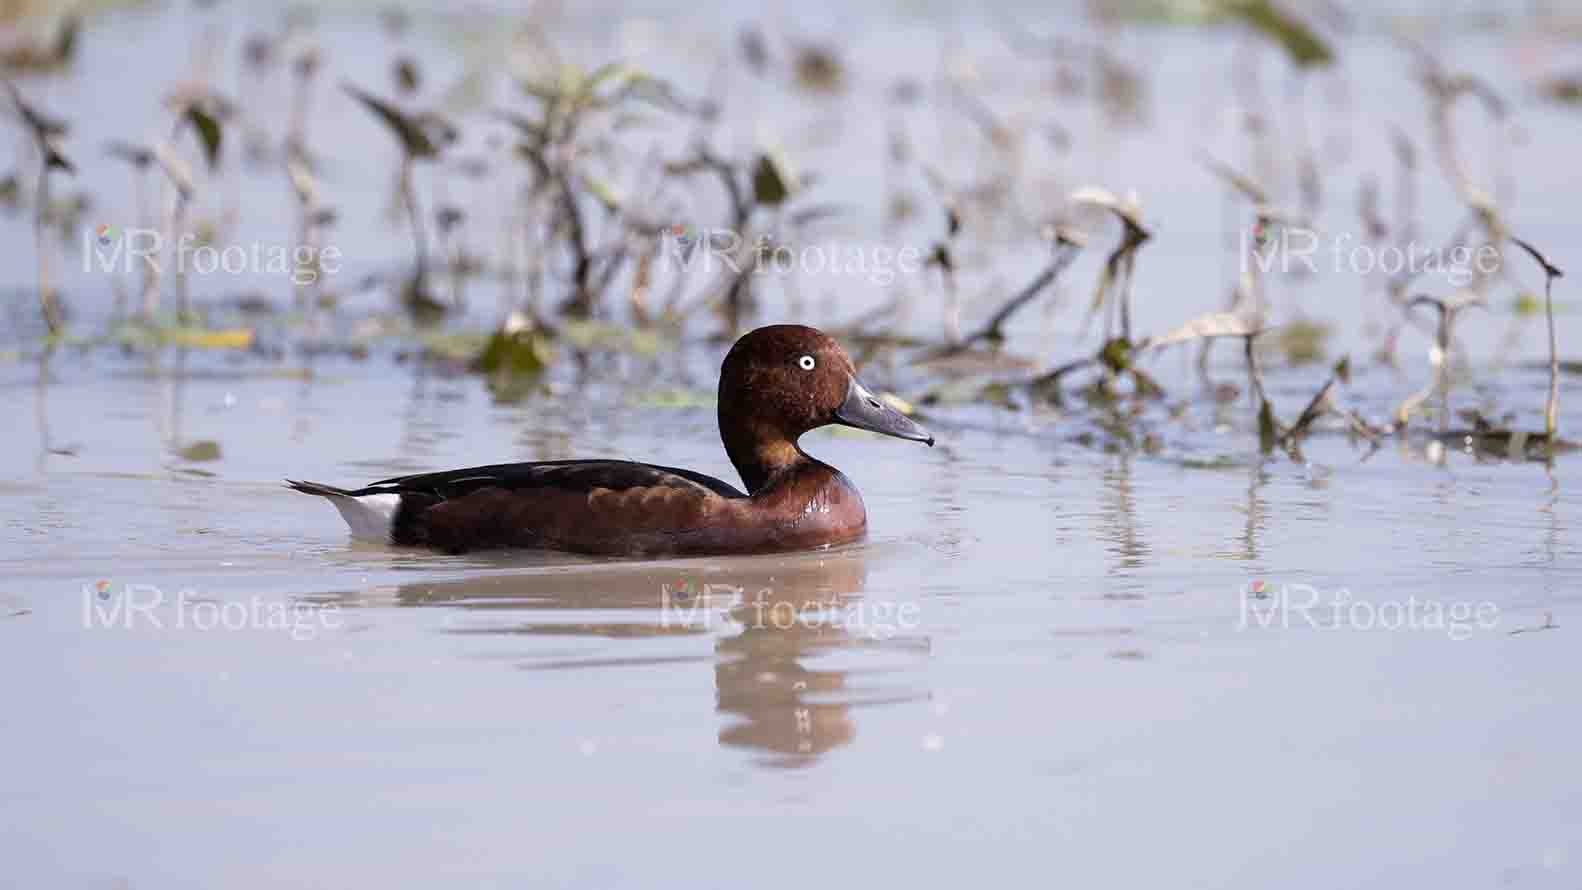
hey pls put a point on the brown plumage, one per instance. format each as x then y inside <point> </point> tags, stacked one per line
<point>776,383</point>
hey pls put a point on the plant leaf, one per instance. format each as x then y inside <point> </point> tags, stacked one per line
<point>1268,427</point>
<point>772,183</point>
<point>55,160</point>
<point>209,133</point>
<point>1304,47</point>
<point>233,338</point>
<point>1215,324</point>
<point>41,124</point>
<point>1098,196</point>
<point>414,141</point>
<point>201,450</point>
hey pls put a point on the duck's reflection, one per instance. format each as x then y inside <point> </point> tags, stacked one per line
<point>776,621</point>
<point>780,704</point>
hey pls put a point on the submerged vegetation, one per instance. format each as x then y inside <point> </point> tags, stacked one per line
<point>611,188</point>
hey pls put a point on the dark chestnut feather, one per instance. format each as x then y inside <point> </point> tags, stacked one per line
<point>770,394</point>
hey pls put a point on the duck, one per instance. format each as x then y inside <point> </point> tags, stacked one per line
<point>776,383</point>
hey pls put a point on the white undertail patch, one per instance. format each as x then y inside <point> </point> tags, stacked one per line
<point>371,516</point>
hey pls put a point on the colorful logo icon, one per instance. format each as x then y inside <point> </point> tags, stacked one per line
<point>1261,234</point>
<point>1258,588</point>
<point>683,234</point>
<point>102,588</point>
<point>107,234</point>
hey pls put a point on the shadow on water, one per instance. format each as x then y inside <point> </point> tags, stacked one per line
<point>782,627</point>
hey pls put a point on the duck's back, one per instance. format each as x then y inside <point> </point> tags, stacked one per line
<point>588,506</point>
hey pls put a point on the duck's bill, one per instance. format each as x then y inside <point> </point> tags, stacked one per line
<point>866,411</point>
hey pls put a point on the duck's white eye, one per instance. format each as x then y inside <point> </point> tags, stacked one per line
<point>806,362</point>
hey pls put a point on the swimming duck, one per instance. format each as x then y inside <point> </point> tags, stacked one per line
<point>776,383</point>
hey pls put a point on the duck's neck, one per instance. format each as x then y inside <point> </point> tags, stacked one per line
<point>759,455</point>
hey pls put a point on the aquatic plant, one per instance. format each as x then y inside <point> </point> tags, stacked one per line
<point>1551,272</point>
<point>46,131</point>
<point>29,57</point>
<point>421,138</point>
<point>593,177</point>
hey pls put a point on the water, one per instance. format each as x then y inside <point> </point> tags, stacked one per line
<point>1058,658</point>
<point>1044,657</point>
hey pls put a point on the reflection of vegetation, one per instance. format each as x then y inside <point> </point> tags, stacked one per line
<point>1118,519</point>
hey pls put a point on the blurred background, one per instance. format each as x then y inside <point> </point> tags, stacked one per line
<point>560,144</point>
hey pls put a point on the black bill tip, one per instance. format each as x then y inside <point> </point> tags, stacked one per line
<point>865,411</point>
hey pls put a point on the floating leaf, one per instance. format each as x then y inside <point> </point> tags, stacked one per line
<point>518,353</point>
<point>674,398</point>
<point>586,334</point>
<point>234,338</point>
<point>460,346</point>
<point>1303,341</point>
<point>201,451</point>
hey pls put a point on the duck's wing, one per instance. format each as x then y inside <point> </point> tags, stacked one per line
<point>591,506</point>
<point>568,476</point>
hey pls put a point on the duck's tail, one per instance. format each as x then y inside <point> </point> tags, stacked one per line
<point>318,488</point>
<point>371,516</point>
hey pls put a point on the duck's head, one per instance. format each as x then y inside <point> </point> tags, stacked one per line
<point>780,381</point>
